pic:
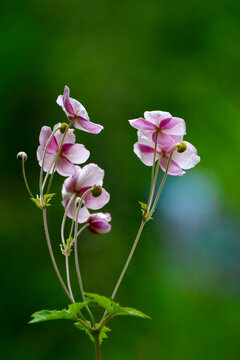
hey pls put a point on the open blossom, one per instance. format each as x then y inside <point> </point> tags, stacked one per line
<point>144,149</point>
<point>99,223</point>
<point>75,186</point>
<point>170,129</point>
<point>75,110</point>
<point>70,154</point>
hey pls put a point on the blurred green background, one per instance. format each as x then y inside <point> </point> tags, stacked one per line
<point>120,59</point>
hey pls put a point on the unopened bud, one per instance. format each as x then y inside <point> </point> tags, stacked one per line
<point>96,191</point>
<point>181,147</point>
<point>63,128</point>
<point>22,156</point>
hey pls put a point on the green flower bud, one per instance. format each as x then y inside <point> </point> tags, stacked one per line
<point>22,156</point>
<point>96,191</point>
<point>181,147</point>
<point>63,128</point>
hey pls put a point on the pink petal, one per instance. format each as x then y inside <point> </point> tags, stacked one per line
<point>145,153</point>
<point>90,175</point>
<point>99,227</point>
<point>45,134</point>
<point>48,162</point>
<point>69,137</point>
<point>83,212</point>
<point>76,153</point>
<point>188,159</point>
<point>70,184</point>
<point>175,126</point>
<point>87,126</point>
<point>174,168</point>
<point>96,203</point>
<point>66,101</point>
<point>142,124</point>
<point>163,139</point>
<point>65,167</point>
<point>156,117</point>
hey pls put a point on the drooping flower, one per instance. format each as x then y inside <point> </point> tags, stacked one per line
<point>75,186</point>
<point>99,223</point>
<point>169,129</point>
<point>75,110</point>
<point>144,149</point>
<point>70,154</point>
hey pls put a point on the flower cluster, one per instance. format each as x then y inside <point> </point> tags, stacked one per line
<point>159,138</point>
<point>58,152</point>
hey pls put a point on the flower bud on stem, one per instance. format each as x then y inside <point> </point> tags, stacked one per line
<point>22,157</point>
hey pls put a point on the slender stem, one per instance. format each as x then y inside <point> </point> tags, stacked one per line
<point>64,218</point>
<point>51,253</point>
<point>163,181</point>
<point>57,156</point>
<point>152,188</point>
<point>68,277</point>
<point>128,259</point>
<point>76,233</point>
<point>97,347</point>
<point>25,179</point>
<point>78,267</point>
<point>41,187</point>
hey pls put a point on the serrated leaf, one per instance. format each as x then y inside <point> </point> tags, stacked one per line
<point>36,202</point>
<point>114,308</point>
<point>102,301</point>
<point>46,315</point>
<point>103,334</point>
<point>80,326</point>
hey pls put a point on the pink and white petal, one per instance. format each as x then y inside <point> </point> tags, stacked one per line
<point>48,161</point>
<point>69,138</point>
<point>142,124</point>
<point>45,134</point>
<point>145,137</point>
<point>60,100</point>
<point>67,102</point>
<point>90,175</point>
<point>176,126</point>
<point>65,167</point>
<point>83,212</point>
<point>88,126</point>
<point>99,227</point>
<point>174,168</point>
<point>70,184</point>
<point>145,153</point>
<point>163,139</point>
<point>188,159</point>
<point>156,117</point>
<point>79,109</point>
<point>76,153</point>
<point>96,203</point>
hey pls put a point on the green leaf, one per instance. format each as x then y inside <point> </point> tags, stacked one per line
<point>70,314</point>
<point>103,334</point>
<point>114,308</point>
<point>37,202</point>
<point>132,312</point>
<point>80,326</point>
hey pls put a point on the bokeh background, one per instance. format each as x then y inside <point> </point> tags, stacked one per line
<point>120,59</point>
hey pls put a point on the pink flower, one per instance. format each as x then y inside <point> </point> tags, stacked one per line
<point>78,184</point>
<point>70,152</point>
<point>75,110</point>
<point>170,129</point>
<point>99,223</point>
<point>144,149</point>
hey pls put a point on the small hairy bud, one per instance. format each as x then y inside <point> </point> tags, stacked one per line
<point>63,128</point>
<point>22,156</point>
<point>181,147</point>
<point>96,191</point>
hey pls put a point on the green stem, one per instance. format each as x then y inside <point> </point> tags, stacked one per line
<point>68,277</point>
<point>43,160</point>
<point>51,253</point>
<point>57,156</point>
<point>128,259</point>
<point>152,188</point>
<point>163,181</point>
<point>25,179</point>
